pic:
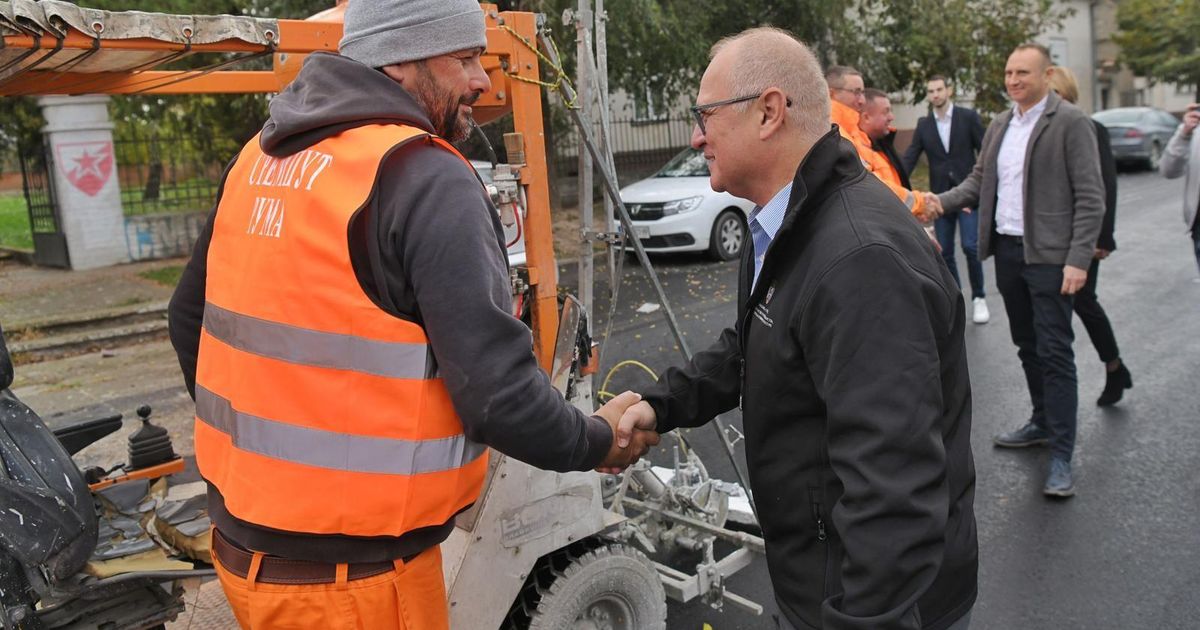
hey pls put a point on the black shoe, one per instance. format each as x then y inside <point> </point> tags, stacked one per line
<point>1028,435</point>
<point>1118,381</point>
<point>1059,482</point>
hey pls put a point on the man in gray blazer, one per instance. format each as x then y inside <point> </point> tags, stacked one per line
<point>1040,196</point>
<point>1183,155</point>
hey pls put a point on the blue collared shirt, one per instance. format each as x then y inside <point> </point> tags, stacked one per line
<point>764,225</point>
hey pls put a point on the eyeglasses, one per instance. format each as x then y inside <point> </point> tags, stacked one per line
<point>702,112</point>
<point>857,92</point>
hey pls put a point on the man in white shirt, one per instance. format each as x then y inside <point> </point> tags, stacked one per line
<point>1041,202</point>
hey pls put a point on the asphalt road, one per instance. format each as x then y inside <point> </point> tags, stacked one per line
<point>1125,552</point>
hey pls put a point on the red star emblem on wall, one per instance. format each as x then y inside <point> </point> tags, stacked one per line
<point>87,165</point>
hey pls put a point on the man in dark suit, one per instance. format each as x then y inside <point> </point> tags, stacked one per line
<point>950,137</point>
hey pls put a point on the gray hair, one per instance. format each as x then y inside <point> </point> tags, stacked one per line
<point>766,57</point>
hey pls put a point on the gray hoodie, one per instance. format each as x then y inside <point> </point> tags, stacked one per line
<point>428,247</point>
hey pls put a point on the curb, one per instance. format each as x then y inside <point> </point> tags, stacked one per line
<point>78,333</point>
<point>63,345</point>
<point>84,319</point>
<point>23,256</point>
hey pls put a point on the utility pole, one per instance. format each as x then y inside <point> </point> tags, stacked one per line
<point>610,224</point>
<point>583,42</point>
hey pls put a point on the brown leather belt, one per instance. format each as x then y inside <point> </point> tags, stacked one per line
<point>276,570</point>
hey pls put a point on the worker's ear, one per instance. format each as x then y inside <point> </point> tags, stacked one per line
<point>773,110</point>
<point>398,72</point>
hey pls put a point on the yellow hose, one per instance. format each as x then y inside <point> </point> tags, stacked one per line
<point>603,394</point>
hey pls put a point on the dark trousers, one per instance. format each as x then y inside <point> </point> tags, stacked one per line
<point>1039,319</point>
<point>1196,238</point>
<point>1095,320</point>
<point>968,225</point>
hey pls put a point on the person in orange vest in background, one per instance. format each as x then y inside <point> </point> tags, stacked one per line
<point>876,123</point>
<point>345,328</point>
<point>848,98</point>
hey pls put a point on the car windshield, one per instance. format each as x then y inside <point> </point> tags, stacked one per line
<point>1119,116</point>
<point>689,163</point>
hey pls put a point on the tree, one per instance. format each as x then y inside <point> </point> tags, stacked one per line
<point>213,126</point>
<point>966,40</point>
<point>897,44</point>
<point>1160,40</point>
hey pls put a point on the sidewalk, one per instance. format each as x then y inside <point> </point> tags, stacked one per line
<point>31,297</point>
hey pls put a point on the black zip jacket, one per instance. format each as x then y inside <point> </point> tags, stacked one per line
<point>427,247</point>
<point>849,361</point>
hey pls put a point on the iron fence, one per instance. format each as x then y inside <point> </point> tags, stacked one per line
<point>165,174</point>
<point>36,165</point>
<point>640,147</point>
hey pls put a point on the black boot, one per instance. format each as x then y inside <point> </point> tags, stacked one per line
<point>1118,381</point>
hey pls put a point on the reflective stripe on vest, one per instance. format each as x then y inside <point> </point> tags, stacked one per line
<point>317,411</point>
<point>313,347</point>
<point>337,451</point>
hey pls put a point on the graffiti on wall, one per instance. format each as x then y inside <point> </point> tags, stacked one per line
<point>151,236</point>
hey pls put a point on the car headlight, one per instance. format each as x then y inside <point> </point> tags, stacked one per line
<point>680,206</point>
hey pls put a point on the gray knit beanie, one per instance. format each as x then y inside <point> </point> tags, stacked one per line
<point>380,33</point>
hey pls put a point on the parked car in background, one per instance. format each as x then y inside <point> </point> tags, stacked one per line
<point>1139,134</point>
<point>675,210</point>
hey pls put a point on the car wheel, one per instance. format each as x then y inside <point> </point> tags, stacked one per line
<point>1155,158</point>
<point>729,235</point>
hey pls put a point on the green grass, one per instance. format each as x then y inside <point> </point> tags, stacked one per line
<point>14,223</point>
<point>166,276</point>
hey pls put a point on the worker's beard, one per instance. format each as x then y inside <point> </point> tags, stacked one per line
<point>442,105</point>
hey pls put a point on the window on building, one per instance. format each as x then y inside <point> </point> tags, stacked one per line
<point>648,105</point>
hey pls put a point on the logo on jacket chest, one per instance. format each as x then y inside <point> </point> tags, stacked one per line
<point>762,310</point>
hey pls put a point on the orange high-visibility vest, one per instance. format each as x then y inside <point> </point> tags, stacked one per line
<point>877,163</point>
<point>317,411</point>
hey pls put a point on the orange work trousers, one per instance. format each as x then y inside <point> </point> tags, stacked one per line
<point>411,597</point>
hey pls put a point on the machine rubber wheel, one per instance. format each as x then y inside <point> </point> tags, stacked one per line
<point>729,235</point>
<point>594,586</point>
<point>1155,158</point>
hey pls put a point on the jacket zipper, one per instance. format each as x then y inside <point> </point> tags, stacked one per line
<point>741,380</point>
<point>816,513</point>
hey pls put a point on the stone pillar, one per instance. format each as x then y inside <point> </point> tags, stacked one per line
<point>79,137</point>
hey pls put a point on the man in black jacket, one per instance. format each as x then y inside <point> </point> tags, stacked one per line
<point>950,137</point>
<point>847,359</point>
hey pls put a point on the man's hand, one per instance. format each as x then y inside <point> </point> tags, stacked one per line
<point>1191,119</point>
<point>641,416</point>
<point>1073,279</point>
<point>933,207</point>
<point>631,438</point>
<point>1101,254</point>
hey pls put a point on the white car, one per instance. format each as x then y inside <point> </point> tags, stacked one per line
<point>675,210</point>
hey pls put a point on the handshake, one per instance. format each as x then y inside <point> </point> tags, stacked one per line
<point>934,208</point>
<point>632,422</point>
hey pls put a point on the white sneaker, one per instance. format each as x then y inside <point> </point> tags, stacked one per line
<point>981,311</point>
